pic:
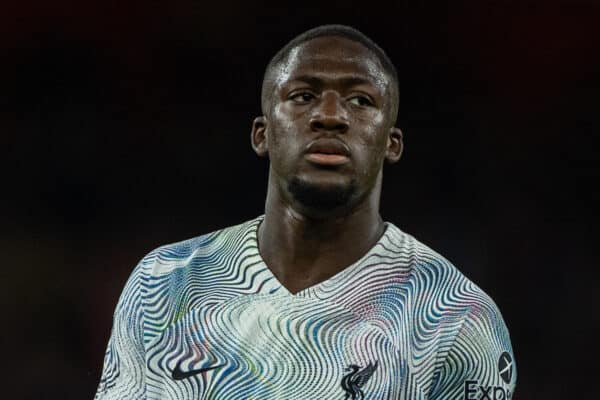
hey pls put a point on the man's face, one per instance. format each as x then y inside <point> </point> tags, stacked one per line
<point>327,129</point>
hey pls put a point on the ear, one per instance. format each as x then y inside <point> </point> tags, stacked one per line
<point>394,145</point>
<point>258,136</point>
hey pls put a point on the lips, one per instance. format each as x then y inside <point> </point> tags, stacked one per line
<point>327,152</point>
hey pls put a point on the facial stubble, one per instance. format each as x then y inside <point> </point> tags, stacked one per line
<point>321,197</point>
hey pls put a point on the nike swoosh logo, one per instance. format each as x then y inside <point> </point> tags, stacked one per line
<point>177,374</point>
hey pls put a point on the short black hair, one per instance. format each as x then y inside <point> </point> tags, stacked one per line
<point>340,31</point>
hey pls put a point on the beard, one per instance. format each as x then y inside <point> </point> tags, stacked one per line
<point>319,197</point>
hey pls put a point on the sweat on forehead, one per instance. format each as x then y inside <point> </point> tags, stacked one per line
<point>280,61</point>
<point>325,54</point>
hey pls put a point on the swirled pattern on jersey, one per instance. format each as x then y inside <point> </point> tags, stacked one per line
<point>206,319</point>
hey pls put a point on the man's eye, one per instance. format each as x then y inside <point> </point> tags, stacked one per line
<point>302,97</point>
<point>361,101</point>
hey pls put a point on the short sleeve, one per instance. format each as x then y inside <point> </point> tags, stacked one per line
<point>480,363</point>
<point>123,373</point>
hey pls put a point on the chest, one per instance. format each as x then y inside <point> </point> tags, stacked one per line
<point>263,347</point>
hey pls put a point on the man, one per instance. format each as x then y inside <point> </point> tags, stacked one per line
<point>319,298</point>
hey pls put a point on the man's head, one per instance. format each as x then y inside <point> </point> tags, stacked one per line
<point>281,57</point>
<point>329,99</point>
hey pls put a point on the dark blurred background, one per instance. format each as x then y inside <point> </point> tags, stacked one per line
<point>125,126</point>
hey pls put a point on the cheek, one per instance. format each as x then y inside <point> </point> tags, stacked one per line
<point>373,133</point>
<point>373,140</point>
<point>287,113</point>
<point>371,121</point>
<point>378,119</point>
<point>283,124</point>
<point>281,138</point>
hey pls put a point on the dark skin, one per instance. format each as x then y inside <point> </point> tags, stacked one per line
<point>329,126</point>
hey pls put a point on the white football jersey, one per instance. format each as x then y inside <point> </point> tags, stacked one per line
<point>206,319</point>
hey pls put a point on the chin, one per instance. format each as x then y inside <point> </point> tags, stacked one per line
<point>320,195</point>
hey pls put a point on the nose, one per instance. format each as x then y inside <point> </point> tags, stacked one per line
<point>329,115</point>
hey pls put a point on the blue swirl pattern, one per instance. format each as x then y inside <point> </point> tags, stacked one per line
<point>210,310</point>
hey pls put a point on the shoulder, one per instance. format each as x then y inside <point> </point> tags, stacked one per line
<point>425,263</point>
<point>437,284</point>
<point>169,257</point>
<point>455,320</point>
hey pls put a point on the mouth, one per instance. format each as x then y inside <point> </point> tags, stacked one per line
<point>330,152</point>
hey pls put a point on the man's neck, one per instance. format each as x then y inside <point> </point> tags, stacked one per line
<point>302,252</point>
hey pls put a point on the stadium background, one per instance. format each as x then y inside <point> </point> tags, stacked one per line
<point>125,126</point>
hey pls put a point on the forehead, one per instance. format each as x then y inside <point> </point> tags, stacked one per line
<point>330,58</point>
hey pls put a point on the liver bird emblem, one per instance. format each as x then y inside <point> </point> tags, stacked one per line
<point>354,381</point>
